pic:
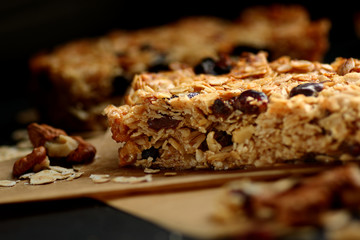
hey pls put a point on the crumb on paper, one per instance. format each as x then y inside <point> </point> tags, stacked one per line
<point>7,183</point>
<point>121,179</point>
<point>151,171</point>
<point>170,174</point>
<point>100,178</point>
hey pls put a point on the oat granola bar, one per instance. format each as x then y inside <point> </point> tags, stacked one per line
<point>78,79</point>
<point>259,113</point>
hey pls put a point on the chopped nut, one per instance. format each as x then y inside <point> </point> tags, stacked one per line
<point>146,178</point>
<point>37,156</point>
<point>41,133</point>
<point>346,67</point>
<point>7,183</point>
<point>43,165</point>
<point>84,153</point>
<point>61,146</point>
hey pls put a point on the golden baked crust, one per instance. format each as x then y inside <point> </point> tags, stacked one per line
<point>259,113</point>
<point>85,75</point>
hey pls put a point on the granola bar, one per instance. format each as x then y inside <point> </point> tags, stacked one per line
<point>259,113</point>
<point>78,79</point>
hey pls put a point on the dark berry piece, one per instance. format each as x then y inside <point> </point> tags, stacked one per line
<point>174,96</point>
<point>151,152</point>
<point>163,122</point>
<point>206,66</point>
<point>307,89</point>
<point>223,138</point>
<point>193,94</point>
<point>210,66</point>
<point>220,108</point>
<point>251,102</point>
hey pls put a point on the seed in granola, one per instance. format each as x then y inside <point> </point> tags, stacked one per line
<point>220,108</point>
<point>307,89</point>
<point>251,102</point>
<point>164,122</point>
<point>151,152</point>
<point>193,94</point>
<point>223,138</point>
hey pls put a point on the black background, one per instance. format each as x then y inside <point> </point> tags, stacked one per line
<point>29,26</point>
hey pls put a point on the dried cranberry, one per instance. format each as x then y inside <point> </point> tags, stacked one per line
<point>220,108</point>
<point>151,152</point>
<point>210,66</point>
<point>223,138</point>
<point>245,102</point>
<point>163,122</point>
<point>307,89</point>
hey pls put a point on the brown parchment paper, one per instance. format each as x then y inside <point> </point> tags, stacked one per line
<point>106,163</point>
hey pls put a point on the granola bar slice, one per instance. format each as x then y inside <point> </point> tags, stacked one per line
<point>78,79</point>
<point>259,113</point>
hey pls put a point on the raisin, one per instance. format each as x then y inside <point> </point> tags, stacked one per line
<point>245,102</point>
<point>193,94</point>
<point>206,66</point>
<point>223,138</point>
<point>163,122</point>
<point>210,66</point>
<point>151,152</point>
<point>307,89</point>
<point>220,108</point>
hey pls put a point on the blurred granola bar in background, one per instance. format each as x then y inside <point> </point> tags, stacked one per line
<point>78,79</point>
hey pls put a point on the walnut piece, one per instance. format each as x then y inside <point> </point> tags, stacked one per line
<point>27,163</point>
<point>61,146</point>
<point>41,133</point>
<point>84,153</point>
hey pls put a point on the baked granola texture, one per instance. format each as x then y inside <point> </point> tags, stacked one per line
<point>80,78</point>
<point>260,113</point>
